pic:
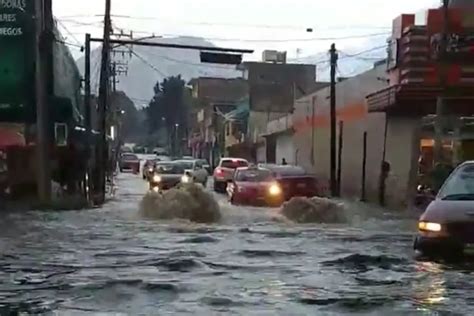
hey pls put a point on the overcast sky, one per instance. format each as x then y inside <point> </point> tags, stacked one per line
<point>256,24</point>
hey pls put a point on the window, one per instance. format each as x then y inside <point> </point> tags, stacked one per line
<point>233,164</point>
<point>460,185</point>
<point>254,176</point>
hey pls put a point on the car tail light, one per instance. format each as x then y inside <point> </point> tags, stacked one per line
<point>219,171</point>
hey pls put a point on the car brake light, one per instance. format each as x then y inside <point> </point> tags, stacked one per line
<point>219,171</point>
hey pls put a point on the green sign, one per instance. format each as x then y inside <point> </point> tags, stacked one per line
<point>16,59</point>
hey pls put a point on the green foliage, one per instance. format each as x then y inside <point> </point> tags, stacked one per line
<point>169,105</point>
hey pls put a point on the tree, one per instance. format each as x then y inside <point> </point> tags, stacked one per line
<point>132,127</point>
<point>169,110</point>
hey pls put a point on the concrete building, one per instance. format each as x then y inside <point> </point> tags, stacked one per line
<point>415,71</point>
<point>311,138</point>
<point>273,87</point>
<point>213,98</point>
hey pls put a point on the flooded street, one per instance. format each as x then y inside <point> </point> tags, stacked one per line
<point>252,262</point>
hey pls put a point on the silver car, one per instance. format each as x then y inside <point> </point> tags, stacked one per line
<point>446,228</point>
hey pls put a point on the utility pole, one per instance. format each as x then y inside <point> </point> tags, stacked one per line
<point>87,112</point>
<point>114,77</point>
<point>440,101</point>
<point>103,100</point>
<point>333,180</point>
<point>41,93</point>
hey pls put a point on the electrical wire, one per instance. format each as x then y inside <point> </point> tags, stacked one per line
<point>238,25</point>
<point>143,60</point>
<point>69,32</point>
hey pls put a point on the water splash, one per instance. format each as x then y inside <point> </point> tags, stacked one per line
<point>314,210</point>
<point>189,202</point>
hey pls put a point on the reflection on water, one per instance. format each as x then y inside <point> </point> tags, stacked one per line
<point>432,291</point>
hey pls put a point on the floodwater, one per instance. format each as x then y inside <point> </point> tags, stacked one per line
<point>110,261</point>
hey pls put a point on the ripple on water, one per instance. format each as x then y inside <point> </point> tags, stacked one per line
<point>350,304</point>
<point>362,263</point>
<point>199,240</point>
<point>269,253</point>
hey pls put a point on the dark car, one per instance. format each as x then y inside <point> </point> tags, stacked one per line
<point>129,162</point>
<point>294,181</point>
<point>168,175</point>
<point>446,228</point>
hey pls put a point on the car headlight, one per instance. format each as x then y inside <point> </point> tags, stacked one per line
<point>186,179</point>
<point>156,178</point>
<point>150,169</point>
<point>274,189</point>
<point>430,227</point>
<point>156,189</point>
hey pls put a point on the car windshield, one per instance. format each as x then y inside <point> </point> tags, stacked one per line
<point>233,164</point>
<point>460,185</point>
<point>169,169</point>
<point>186,164</point>
<point>253,176</point>
<point>129,157</point>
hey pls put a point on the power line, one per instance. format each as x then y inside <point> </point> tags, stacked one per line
<point>143,60</point>
<point>240,25</point>
<point>69,32</point>
<point>243,40</point>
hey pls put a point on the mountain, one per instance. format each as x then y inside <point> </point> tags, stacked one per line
<point>147,65</point>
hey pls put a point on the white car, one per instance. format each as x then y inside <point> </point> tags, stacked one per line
<point>224,173</point>
<point>446,228</point>
<point>196,170</point>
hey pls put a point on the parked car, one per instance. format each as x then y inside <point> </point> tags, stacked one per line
<point>224,172</point>
<point>167,175</point>
<point>446,228</point>
<point>255,186</point>
<point>294,180</point>
<point>129,162</point>
<point>195,169</point>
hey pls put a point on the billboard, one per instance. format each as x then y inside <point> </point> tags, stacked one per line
<point>16,60</point>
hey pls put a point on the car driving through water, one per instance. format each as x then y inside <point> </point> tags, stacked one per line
<point>168,175</point>
<point>294,181</point>
<point>255,186</point>
<point>195,169</point>
<point>446,228</point>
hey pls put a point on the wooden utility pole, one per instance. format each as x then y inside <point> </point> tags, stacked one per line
<point>440,101</point>
<point>41,93</point>
<point>333,180</point>
<point>103,100</point>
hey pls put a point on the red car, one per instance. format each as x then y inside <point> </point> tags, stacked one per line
<point>255,186</point>
<point>295,181</point>
<point>129,162</point>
